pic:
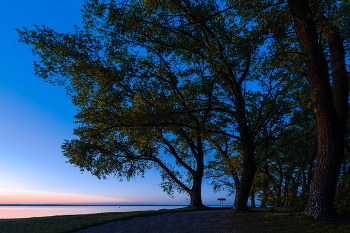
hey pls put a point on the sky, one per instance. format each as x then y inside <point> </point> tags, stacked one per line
<point>35,118</point>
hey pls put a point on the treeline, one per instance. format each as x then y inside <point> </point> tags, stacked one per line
<point>251,95</point>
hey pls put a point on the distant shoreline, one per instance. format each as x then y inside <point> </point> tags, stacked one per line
<point>87,205</point>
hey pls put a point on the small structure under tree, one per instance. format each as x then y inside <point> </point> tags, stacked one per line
<point>221,201</point>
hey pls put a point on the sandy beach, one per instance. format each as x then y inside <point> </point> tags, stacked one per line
<point>190,221</point>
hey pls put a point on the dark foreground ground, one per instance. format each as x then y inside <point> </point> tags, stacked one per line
<point>192,221</point>
<point>259,220</point>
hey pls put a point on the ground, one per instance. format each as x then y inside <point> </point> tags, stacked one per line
<point>189,221</point>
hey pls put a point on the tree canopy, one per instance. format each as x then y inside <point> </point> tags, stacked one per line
<point>207,89</point>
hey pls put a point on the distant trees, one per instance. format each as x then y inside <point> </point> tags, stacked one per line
<point>208,87</point>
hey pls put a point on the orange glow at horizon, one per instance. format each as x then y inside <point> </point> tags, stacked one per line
<point>42,197</point>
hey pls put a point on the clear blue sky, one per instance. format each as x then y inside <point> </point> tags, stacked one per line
<point>36,117</point>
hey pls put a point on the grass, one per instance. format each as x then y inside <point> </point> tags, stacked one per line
<point>256,221</point>
<point>282,221</point>
<point>59,224</point>
<point>70,223</point>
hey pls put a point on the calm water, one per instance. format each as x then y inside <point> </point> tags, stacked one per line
<point>41,211</point>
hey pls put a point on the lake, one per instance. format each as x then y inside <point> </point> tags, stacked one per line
<point>42,211</point>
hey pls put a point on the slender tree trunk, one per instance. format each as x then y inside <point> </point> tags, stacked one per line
<point>330,108</point>
<point>285,195</point>
<point>265,185</point>
<point>264,198</point>
<point>252,199</point>
<point>278,191</point>
<point>278,187</point>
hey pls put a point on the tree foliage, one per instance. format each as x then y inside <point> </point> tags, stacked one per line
<point>222,87</point>
<point>135,109</point>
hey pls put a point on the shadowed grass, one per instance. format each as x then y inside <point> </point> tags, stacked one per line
<point>281,221</point>
<point>256,221</point>
<point>70,223</point>
<point>59,224</point>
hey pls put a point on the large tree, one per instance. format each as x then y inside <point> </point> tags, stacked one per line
<point>320,29</point>
<point>207,31</point>
<point>316,33</point>
<point>278,150</point>
<point>137,110</point>
<point>136,63</point>
<point>176,75</point>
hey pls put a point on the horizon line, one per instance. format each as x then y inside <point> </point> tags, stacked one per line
<point>102,205</point>
<point>29,204</point>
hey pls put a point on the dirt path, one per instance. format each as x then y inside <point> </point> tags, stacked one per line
<point>190,221</point>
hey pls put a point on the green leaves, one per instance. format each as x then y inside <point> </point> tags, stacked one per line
<point>177,85</point>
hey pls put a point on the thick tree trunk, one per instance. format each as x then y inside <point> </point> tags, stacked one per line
<point>249,168</point>
<point>330,108</point>
<point>196,192</point>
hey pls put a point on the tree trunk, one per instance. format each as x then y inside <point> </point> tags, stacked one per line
<point>288,193</point>
<point>265,185</point>
<point>249,168</point>
<point>278,191</point>
<point>252,199</point>
<point>330,108</point>
<point>264,197</point>
<point>196,191</point>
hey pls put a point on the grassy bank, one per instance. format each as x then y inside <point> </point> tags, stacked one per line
<point>282,221</point>
<point>256,221</point>
<point>70,223</point>
<point>59,224</point>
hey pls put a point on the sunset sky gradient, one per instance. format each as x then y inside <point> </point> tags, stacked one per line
<point>36,117</point>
